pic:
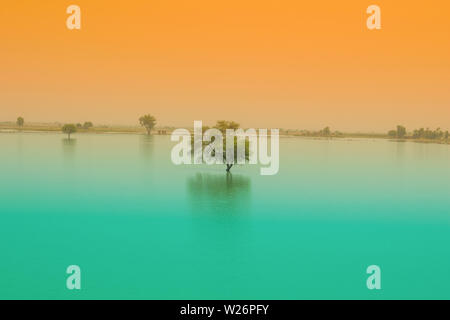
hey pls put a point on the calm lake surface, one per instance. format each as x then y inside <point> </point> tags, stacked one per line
<point>142,228</point>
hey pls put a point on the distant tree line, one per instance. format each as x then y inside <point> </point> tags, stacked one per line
<point>430,134</point>
<point>87,125</point>
<point>325,132</point>
<point>399,133</point>
<point>148,122</point>
<point>73,128</point>
<point>421,133</point>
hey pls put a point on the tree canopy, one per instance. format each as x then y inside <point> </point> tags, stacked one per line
<point>69,129</point>
<point>88,125</point>
<point>148,122</point>
<point>222,126</point>
<point>401,132</point>
<point>20,121</point>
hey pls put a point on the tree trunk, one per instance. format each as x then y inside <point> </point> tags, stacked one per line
<point>229,167</point>
<point>69,135</point>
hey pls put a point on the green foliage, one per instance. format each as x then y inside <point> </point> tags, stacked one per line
<point>148,122</point>
<point>222,126</point>
<point>325,132</point>
<point>69,129</point>
<point>235,152</point>
<point>392,133</point>
<point>430,134</point>
<point>420,134</point>
<point>401,132</point>
<point>87,125</point>
<point>20,121</point>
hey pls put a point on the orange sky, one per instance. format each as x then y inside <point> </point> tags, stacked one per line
<point>288,64</point>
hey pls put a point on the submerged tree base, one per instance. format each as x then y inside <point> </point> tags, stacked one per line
<point>229,167</point>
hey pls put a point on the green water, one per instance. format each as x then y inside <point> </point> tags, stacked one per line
<point>142,228</point>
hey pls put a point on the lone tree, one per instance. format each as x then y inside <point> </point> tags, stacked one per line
<point>326,132</point>
<point>69,129</point>
<point>20,121</point>
<point>222,126</point>
<point>87,125</point>
<point>148,122</point>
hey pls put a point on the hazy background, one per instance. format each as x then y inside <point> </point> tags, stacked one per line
<point>287,64</point>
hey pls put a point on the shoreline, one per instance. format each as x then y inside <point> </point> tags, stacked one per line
<point>167,131</point>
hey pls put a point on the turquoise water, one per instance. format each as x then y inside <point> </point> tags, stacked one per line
<point>142,228</point>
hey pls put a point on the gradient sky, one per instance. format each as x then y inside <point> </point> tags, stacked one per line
<point>288,64</point>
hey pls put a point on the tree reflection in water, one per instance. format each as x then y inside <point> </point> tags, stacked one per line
<point>219,194</point>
